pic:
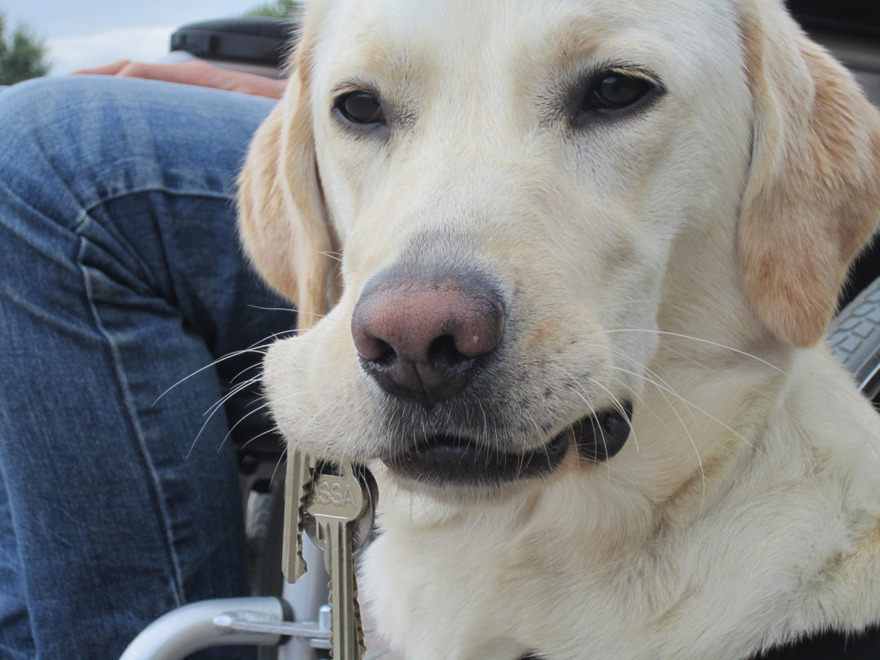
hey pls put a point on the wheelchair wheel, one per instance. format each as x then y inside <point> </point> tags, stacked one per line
<point>854,338</point>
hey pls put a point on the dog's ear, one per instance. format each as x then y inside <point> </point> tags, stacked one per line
<point>283,222</point>
<point>813,194</point>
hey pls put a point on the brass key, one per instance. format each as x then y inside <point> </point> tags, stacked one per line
<point>297,488</point>
<point>338,518</point>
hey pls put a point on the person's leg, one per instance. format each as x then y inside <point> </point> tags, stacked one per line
<point>121,277</point>
<point>16,642</point>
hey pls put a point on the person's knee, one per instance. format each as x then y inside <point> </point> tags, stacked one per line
<point>47,123</point>
<point>72,142</point>
<point>36,110</point>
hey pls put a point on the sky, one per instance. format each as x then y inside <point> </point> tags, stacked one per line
<point>82,33</point>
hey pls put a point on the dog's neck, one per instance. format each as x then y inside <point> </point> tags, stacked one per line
<point>718,445</point>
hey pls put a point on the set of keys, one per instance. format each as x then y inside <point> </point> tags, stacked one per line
<point>335,505</point>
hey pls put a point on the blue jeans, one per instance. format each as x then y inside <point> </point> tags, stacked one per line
<point>120,277</point>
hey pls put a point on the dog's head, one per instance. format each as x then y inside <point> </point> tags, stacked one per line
<point>509,209</point>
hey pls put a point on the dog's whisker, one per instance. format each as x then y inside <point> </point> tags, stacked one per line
<point>292,331</point>
<point>694,407</point>
<point>209,414</point>
<point>239,421</point>
<point>259,348</point>
<point>663,389</point>
<point>586,399</point>
<point>273,430</point>
<point>210,365</point>
<point>335,256</point>
<point>708,342</point>
<point>621,408</point>
<point>233,391</point>
<point>629,303</point>
<point>315,317</point>
<point>639,398</point>
<point>649,376</point>
<point>246,369</point>
<point>643,404</point>
<point>282,459</point>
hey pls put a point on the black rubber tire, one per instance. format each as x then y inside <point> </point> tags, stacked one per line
<point>854,338</point>
<point>265,522</point>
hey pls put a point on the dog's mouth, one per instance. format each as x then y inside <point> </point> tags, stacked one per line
<point>443,461</point>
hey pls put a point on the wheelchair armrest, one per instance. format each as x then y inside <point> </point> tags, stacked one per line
<point>257,41</point>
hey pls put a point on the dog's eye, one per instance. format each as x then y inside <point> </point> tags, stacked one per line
<point>614,91</point>
<point>360,108</point>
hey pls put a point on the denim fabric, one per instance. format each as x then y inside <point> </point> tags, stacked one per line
<point>120,276</point>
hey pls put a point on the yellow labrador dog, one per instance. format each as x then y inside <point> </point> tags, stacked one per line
<point>579,257</point>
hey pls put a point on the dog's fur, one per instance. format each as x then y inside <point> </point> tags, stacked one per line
<point>686,258</point>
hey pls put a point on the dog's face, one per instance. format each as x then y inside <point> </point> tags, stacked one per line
<point>527,198</point>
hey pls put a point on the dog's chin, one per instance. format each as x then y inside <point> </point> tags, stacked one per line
<point>460,464</point>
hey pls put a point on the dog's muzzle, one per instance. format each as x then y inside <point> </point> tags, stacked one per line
<point>451,461</point>
<point>421,335</point>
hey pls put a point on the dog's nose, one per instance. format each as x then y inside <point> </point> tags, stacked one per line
<point>420,338</point>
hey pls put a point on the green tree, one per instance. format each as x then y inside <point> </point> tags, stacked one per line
<point>278,9</point>
<point>21,57</point>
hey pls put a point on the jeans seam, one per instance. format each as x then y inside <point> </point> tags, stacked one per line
<point>86,212</point>
<point>177,582</point>
<point>20,568</point>
<point>86,215</point>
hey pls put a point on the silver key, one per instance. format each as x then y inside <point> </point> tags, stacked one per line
<point>297,487</point>
<point>338,518</point>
